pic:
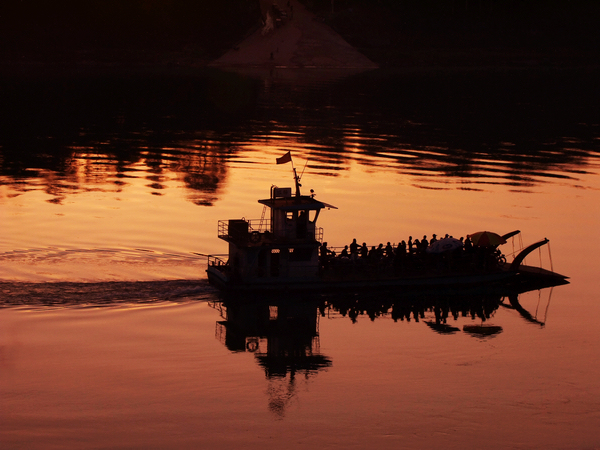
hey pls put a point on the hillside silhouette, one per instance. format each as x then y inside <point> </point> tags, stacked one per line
<point>391,33</point>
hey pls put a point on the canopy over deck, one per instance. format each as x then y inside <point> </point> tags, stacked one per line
<point>302,203</point>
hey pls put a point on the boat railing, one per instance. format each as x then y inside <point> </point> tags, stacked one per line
<point>260,225</point>
<point>235,228</point>
<point>215,260</point>
<point>319,234</point>
<point>242,230</point>
<point>291,235</point>
<point>223,229</point>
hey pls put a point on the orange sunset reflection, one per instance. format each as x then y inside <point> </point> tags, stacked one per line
<point>110,201</point>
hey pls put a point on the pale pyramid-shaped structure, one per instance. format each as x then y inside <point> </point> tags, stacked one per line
<point>298,40</point>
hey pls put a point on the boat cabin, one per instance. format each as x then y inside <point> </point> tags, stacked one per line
<point>282,245</point>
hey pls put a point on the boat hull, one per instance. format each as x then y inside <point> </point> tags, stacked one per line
<point>529,277</point>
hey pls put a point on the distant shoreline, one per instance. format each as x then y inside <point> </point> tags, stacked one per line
<point>455,59</point>
<point>408,35</point>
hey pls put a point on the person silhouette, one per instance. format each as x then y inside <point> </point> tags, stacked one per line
<point>364,250</point>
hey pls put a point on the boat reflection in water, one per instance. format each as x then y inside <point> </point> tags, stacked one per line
<point>284,337</point>
<point>283,332</point>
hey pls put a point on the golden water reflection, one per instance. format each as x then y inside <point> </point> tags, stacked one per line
<point>111,185</point>
<point>446,131</point>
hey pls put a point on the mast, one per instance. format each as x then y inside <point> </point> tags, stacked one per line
<point>288,158</point>
<point>297,181</point>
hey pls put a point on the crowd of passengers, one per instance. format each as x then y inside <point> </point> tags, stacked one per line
<point>407,252</point>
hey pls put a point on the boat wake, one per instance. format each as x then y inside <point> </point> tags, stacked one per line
<point>100,276</point>
<point>74,294</point>
<point>98,264</point>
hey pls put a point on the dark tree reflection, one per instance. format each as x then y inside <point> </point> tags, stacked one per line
<point>74,132</point>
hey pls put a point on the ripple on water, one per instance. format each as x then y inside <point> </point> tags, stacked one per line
<point>38,265</point>
<point>76,294</point>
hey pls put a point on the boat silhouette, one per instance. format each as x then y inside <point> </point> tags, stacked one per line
<point>284,251</point>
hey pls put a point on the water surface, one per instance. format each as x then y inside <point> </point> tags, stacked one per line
<point>111,186</point>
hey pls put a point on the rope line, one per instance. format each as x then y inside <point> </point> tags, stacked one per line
<point>548,304</point>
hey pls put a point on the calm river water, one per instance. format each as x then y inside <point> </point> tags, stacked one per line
<point>111,186</point>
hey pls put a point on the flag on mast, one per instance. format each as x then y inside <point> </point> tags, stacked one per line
<point>285,158</point>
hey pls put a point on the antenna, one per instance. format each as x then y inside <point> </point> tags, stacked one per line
<point>305,164</point>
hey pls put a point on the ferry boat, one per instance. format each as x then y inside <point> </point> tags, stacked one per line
<point>283,251</point>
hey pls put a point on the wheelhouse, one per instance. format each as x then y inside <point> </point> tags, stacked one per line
<point>282,244</point>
